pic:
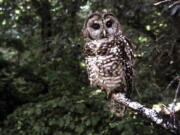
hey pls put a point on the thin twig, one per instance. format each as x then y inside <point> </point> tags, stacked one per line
<point>176,94</point>
<point>174,4</point>
<point>171,82</point>
<point>175,100</point>
<point>162,2</point>
<point>171,2</point>
<point>172,109</point>
<point>177,91</point>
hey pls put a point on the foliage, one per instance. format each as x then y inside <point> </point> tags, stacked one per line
<point>43,82</point>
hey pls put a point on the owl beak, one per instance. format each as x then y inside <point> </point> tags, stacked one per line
<point>104,33</point>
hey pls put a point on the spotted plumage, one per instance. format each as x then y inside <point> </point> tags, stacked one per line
<point>109,57</point>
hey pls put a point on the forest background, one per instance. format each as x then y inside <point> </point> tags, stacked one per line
<point>44,89</point>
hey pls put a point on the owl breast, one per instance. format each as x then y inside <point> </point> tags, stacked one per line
<point>104,64</point>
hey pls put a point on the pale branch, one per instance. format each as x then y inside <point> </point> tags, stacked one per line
<point>174,4</point>
<point>162,2</point>
<point>151,114</point>
<point>171,3</point>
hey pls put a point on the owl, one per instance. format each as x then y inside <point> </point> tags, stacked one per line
<point>108,56</point>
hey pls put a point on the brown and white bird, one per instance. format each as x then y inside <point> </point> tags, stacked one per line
<point>109,57</point>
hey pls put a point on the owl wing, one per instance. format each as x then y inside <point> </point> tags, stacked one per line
<point>126,54</point>
<point>129,50</point>
<point>128,58</point>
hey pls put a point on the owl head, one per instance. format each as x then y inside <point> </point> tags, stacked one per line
<point>100,25</point>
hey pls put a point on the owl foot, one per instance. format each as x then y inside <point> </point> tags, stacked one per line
<point>109,94</point>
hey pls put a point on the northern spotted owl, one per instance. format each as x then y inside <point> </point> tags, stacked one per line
<point>109,57</point>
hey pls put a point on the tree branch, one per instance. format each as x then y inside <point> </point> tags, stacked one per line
<point>171,2</point>
<point>162,2</point>
<point>174,4</point>
<point>151,114</point>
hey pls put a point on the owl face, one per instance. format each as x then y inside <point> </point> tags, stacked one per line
<point>99,26</point>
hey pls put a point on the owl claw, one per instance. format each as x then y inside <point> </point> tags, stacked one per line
<point>109,94</point>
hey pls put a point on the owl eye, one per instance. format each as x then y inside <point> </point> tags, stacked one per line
<point>95,26</point>
<point>109,23</point>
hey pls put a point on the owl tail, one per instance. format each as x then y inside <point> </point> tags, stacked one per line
<point>117,108</point>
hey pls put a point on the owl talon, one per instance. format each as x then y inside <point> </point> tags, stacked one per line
<point>109,94</point>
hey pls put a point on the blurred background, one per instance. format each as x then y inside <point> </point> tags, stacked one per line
<point>44,88</point>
